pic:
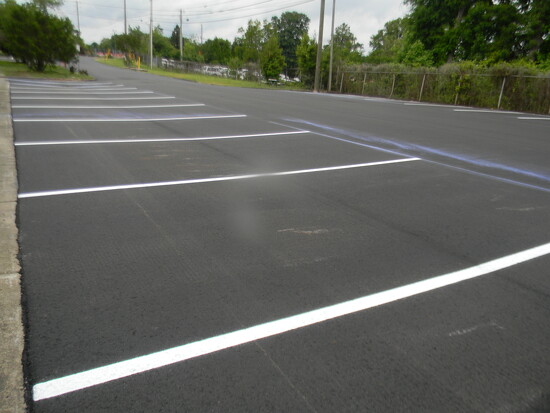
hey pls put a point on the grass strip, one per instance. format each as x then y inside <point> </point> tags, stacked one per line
<point>13,69</point>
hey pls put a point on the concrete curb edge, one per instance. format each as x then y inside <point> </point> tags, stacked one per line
<point>12,387</point>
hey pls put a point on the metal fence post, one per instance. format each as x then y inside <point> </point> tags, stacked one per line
<point>458,89</point>
<point>422,87</point>
<point>364,82</point>
<point>501,92</point>
<point>342,82</point>
<point>392,86</point>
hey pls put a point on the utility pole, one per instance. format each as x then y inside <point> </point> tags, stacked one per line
<point>201,33</point>
<point>125,25</point>
<point>319,48</point>
<point>331,45</point>
<point>181,35</point>
<point>151,37</point>
<point>78,18</point>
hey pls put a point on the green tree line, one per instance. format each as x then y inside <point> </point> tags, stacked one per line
<point>273,47</point>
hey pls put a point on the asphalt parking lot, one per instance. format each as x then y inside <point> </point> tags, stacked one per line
<point>195,248</point>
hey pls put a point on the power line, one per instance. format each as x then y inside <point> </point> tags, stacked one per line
<point>249,15</point>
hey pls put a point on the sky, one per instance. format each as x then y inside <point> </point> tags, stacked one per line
<point>222,18</point>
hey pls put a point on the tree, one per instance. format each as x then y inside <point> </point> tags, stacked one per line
<point>536,27</point>
<point>493,30</point>
<point>272,60</point>
<point>290,28</point>
<point>135,42</point>
<point>346,48</point>
<point>387,43</point>
<point>175,37</point>
<point>306,55</point>
<point>162,46</point>
<point>34,37</point>
<point>44,5</point>
<point>413,53</point>
<point>216,51</point>
<point>248,46</point>
<point>191,51</point>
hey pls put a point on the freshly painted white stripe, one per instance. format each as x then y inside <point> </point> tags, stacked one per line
<point>93,98</point>
<point>126,119</point>
<point>84,93</point>
<point>66,85</point>
<point>84,90</point>
<point>500,112</point>
<point>382,100</point>
<point>50,82</point>
<point>105,374</point>
<point>206,138</point>
<point>205,180</point>
<point>183,105</point>
<point>532,118</point>
<point>426,104</point>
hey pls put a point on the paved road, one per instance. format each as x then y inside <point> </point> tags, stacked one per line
<point>251,250</point>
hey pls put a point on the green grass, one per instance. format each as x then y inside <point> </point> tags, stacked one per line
<point>198,78</point>
<point>12,69</point>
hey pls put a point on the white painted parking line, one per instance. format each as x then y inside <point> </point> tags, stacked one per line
<point>51,82</point>
<point>92,98</point>
<point>80,89</point>
<point>205,138</point>
<point>437,105</point>
<point>382,100</point>
<point>498,112</point>
<point>183,105</point>
<point>83,92</point>
<point>206,180</point>
<point>533,118</point>
<point>115,371</point>
<point>126,119</point>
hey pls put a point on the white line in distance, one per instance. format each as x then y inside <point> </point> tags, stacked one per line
<point>205,138</point>
<point>126,119</point>
<point>92,98</point>
<point>183,105</point>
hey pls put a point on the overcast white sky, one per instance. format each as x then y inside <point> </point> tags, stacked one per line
<point>222,18</point>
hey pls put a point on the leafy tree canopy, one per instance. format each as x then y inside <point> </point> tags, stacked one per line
<point>216,51</point>
<point>290,29</point>
<point>493,30</point>
<point>272,60</point>
<point>346,48</point>
<point>306,55</point>
<point>44,5</point>
<point>34,37</point>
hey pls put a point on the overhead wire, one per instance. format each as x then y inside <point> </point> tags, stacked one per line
<point>165,17</point>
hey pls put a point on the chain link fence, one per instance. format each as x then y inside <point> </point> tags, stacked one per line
<point>249,71</point>
<point>522,93</point>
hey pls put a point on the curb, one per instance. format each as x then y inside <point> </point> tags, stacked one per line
<point>12,388</point>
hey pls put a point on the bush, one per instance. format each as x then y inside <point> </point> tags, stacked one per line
<point>32,36</point>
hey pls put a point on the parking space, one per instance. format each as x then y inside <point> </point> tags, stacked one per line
<point>187,231</point>
<point>77,166</point>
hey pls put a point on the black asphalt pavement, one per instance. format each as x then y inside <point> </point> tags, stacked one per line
<point>259,205</point>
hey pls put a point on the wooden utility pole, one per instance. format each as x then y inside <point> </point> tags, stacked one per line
<point>331,46</point>
<point>151,37</point>
<point>181,35</point>
<point>319,48</point>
